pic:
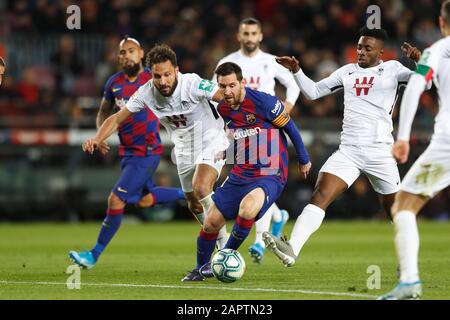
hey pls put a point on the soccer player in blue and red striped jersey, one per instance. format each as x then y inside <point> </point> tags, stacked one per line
<point>258,122</point>
<point>140,149</point>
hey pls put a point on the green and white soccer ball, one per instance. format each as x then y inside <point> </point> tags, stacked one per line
<point>228,265</point>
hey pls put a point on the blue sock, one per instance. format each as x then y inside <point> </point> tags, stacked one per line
<point>240,231</point>
<point>205,247</point>
<point>163,195</point>
<point>109,228</point>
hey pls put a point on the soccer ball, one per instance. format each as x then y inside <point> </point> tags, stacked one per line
<point>228,265</point>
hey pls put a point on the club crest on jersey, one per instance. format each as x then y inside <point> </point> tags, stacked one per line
<point>364,86</point>
<point>251,119</point>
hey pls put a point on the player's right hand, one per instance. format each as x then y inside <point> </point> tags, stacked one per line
<point>401,151</point>
<point>90,145</point>
<point>290,63</point>
<point>304,169</point>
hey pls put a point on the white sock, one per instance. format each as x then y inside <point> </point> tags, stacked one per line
<point>407,245</point>
<point>276,213</point>
<point>222,237</point>
<point>263,225</point>
<point>307,223</point>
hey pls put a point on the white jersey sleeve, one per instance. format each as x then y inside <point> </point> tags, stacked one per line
<point>137,101</point>
<point>403,73</point>
<point>201,89</point>
<point>315,90</point>
<point>287,80</point>
<point>433,66</point>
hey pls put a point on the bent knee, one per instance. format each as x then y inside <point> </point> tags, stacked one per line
<point>202,189</point>
<point>114,201</point>
<point>210,227</point>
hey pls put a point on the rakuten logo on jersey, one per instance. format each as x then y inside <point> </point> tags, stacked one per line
<point>364,86</point>
<point>240,134</point>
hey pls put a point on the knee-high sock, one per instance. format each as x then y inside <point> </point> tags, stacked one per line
<point>240,231</point>
<point>164,195</point>
<point>222,236</point>
<point>263,225</point>
<point>307,223</point>
<point>205,247</point>
<point>109,228</point>
<point>407,245</point>
<point>276,213</point>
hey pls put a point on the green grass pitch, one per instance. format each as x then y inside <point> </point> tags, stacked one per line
<point>147,261</point>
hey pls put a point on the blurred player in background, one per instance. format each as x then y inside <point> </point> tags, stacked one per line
<point>260,70</point>
<point>370,92</point>
<point>2,69</point>
<point>431,172</point>
<point>181,103</point>
<point>140,150</point>
<point>254,184</point>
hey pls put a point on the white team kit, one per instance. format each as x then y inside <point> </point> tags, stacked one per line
<point>431,171</point>
<point>196,130</point>
<point>366,140</point>
<point>260,72</point>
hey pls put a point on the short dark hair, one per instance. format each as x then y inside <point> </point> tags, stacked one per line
<point>160,53</point>
<point>227,68</point>
<point>445,11</point>
<point>2,62</point>
<point>379,34</point>
<point>250,20</point>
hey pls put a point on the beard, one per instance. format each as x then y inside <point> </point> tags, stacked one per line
<point>132,70</point>
<point>250,47</point>
<point>172,89</point>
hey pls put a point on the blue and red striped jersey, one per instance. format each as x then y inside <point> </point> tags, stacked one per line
<point>138,135</point>
<point>260,147</point>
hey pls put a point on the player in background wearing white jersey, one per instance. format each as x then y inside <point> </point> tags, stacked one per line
<point>370,92</point>
<point>181,103</point>
<point>260,71</point>
<point>431,172</point>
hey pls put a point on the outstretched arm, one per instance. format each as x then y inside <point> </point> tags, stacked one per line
<point>310,89</point>
<point>108,127</point>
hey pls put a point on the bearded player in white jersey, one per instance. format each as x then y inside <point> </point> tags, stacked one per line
<point>181,103</point>
<point>431,172</point>
<point>260,71</point>
<point>370,92</point>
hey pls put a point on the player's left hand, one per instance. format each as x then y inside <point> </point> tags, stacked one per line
<point>401,151</point>
<point>411,52</point>
<point>304,169</point>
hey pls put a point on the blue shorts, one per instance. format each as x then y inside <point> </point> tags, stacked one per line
<point>228,197</point>
<point>136,179</point>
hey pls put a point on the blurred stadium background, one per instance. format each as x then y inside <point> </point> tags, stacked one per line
<point>54,79</point>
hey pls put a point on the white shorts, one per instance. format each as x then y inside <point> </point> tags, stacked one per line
<point>375,161</point>
<point>187,160</point>
<point>431,171</point>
